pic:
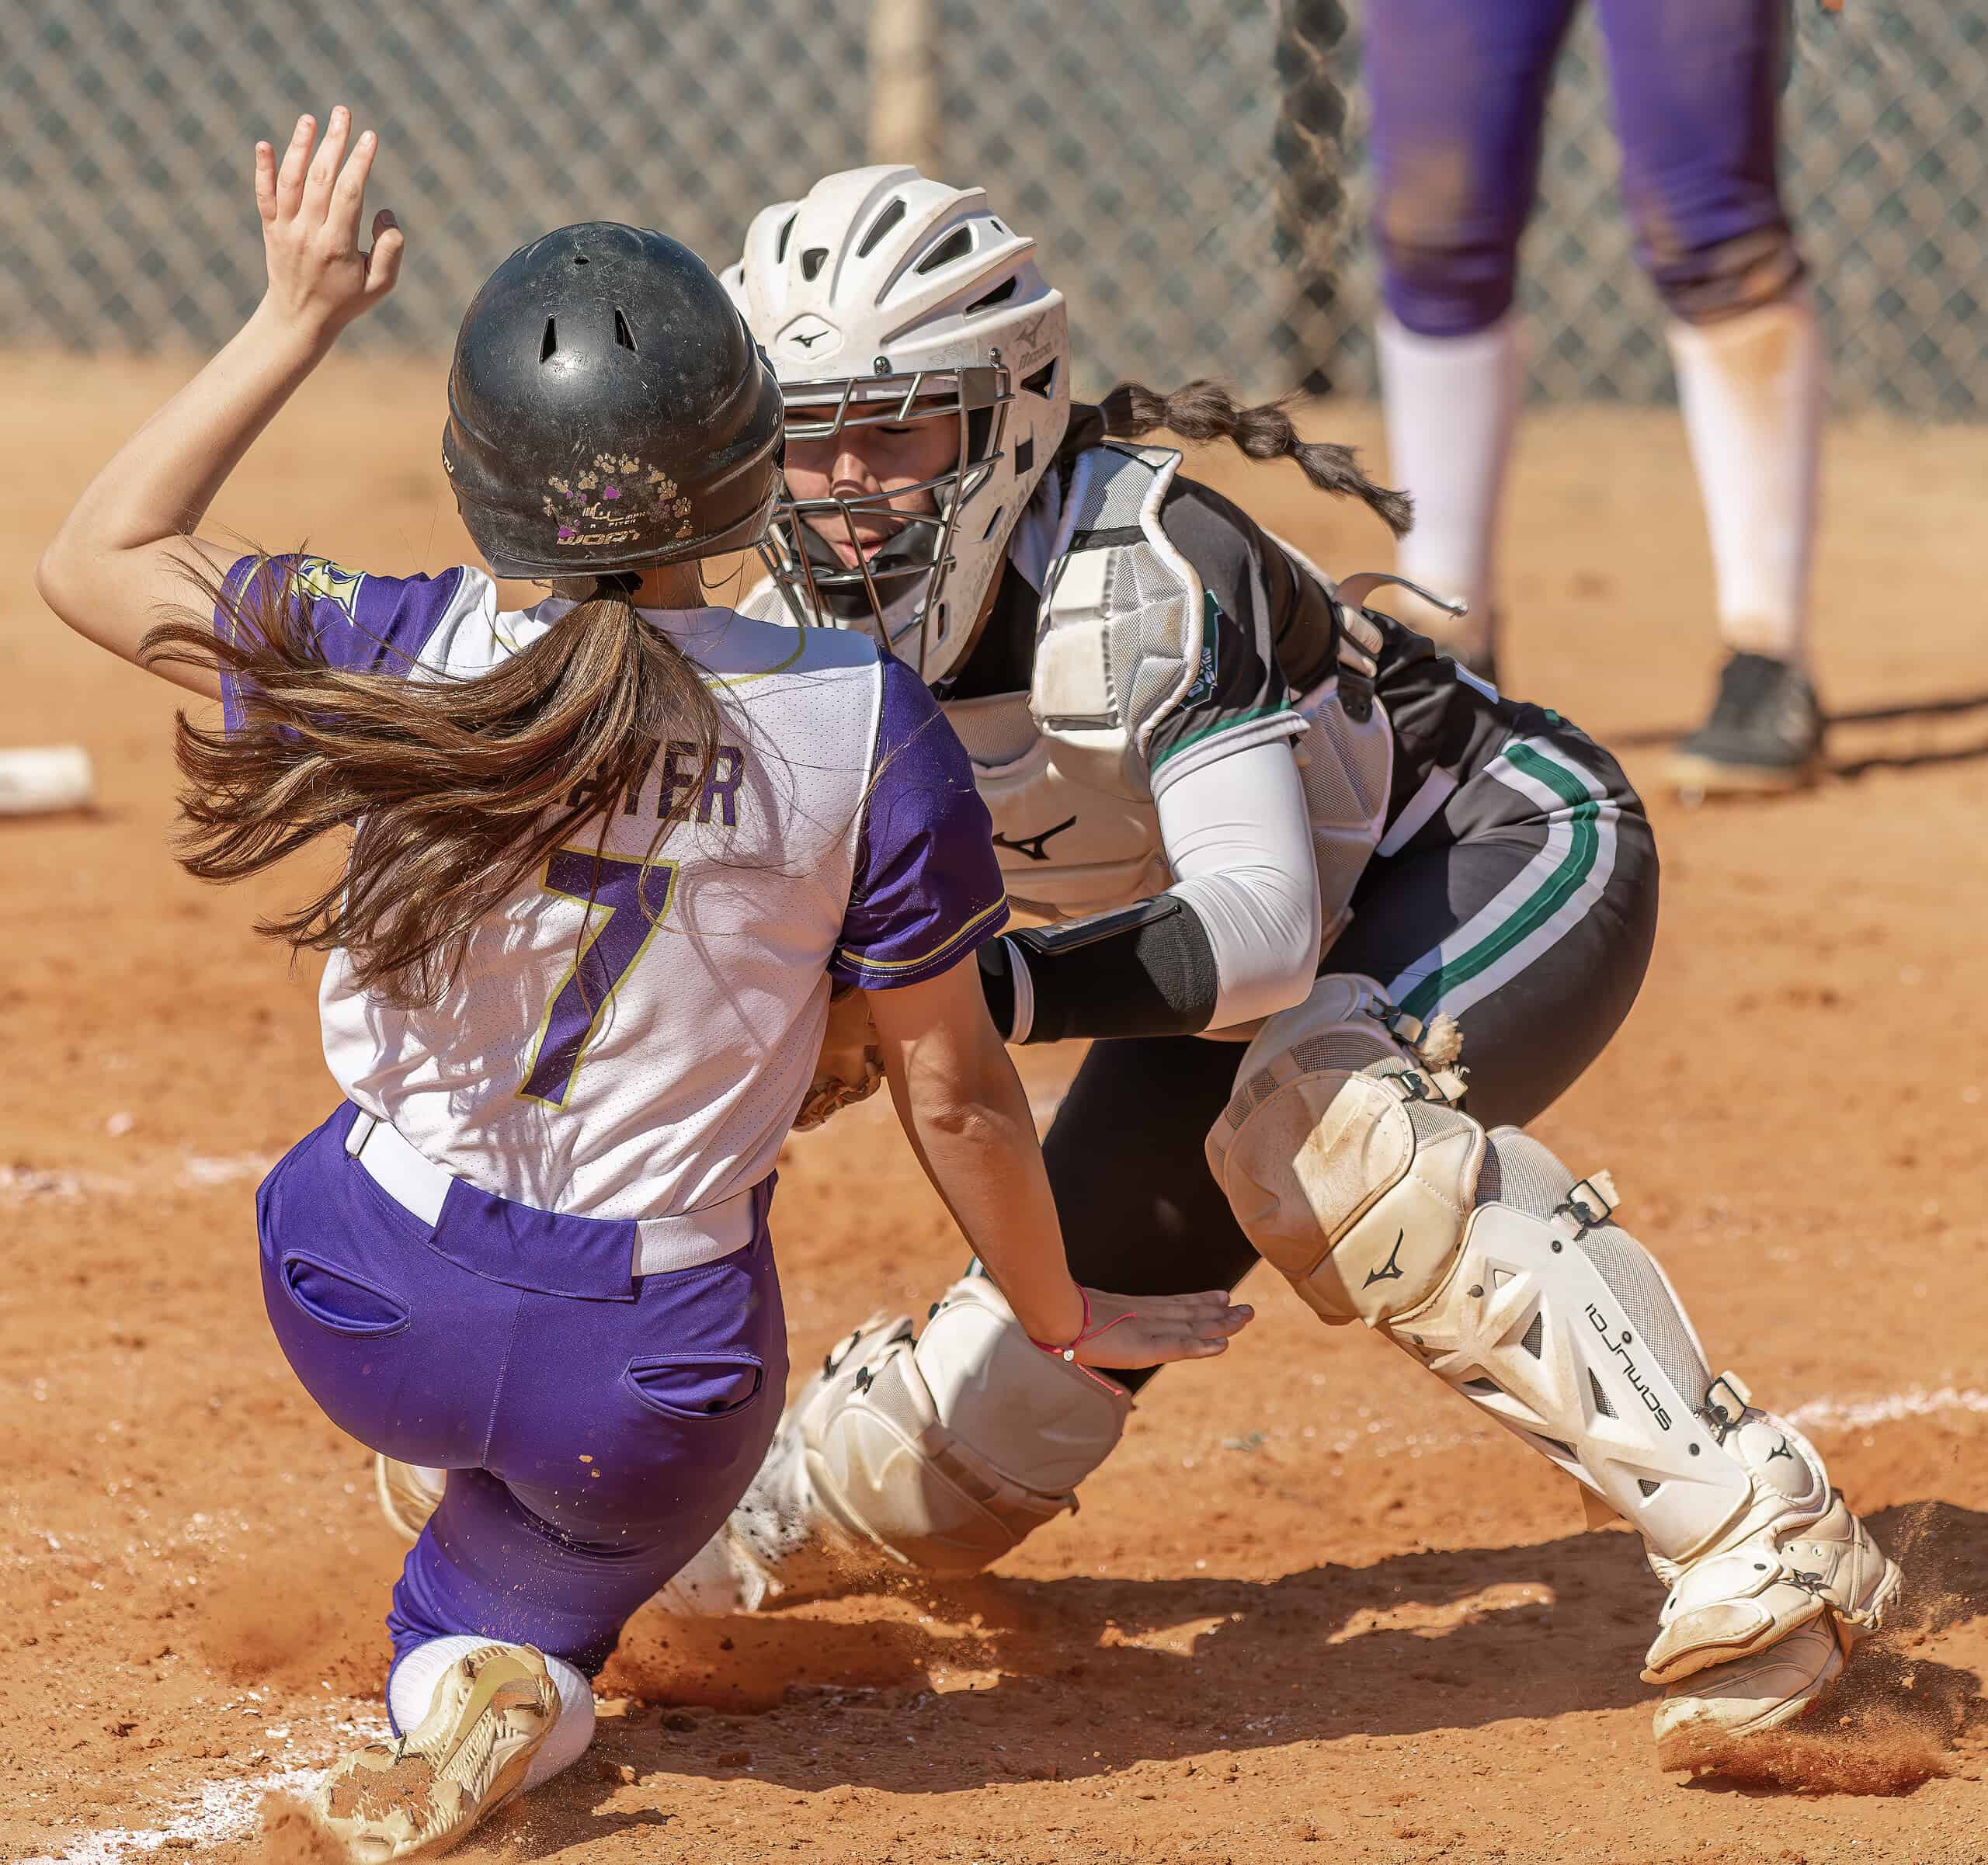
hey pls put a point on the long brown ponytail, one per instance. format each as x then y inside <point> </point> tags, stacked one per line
<point>458,787</point>
<point>1206,411</point>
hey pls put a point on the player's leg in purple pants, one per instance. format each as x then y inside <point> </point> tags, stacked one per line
<point>1697,87</point>
<point>1458,89</point>
<point>597,1427</point>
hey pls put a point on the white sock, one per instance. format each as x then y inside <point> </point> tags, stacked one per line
<point>574,1730</point>
<point>410,1688</point>
<point>1751,391</point>
<point>1451,405</point>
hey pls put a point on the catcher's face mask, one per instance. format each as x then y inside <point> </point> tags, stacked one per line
<point>879,470</point>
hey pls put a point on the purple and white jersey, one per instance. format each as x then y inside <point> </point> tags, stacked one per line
<point>645,1057</point>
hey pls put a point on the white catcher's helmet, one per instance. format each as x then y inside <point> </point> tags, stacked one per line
<point>891,299</point>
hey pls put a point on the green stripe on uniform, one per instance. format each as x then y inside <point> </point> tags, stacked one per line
<point>1214,731</point>
<point>1554,892</point>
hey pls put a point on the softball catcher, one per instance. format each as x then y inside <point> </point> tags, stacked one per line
<point>1244,804</point>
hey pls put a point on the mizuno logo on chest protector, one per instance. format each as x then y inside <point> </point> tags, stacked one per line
<point>1032,846</point>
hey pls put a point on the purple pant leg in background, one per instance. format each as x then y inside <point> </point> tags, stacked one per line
<point>593,1445</point>
<point>1697,90</point>
<point>1459,90</point>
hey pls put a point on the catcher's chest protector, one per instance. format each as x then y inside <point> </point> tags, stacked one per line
<point>1065,768</point>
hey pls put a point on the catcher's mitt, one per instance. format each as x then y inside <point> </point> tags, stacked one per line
<point>850,1064</point>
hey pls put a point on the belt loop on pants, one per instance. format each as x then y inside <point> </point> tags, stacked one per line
<point>421,1187</point>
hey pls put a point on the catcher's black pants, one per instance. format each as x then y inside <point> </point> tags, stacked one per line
<point>1525,906</point>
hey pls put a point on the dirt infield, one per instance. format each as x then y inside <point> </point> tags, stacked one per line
<point>1314,1610</point>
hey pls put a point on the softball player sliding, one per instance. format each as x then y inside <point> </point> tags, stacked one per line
<point>610,857</point>
<point>1459,93</point>
<point>1207,765</point>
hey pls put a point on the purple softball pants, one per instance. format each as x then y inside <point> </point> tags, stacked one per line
<point>1459,90</point>
<point>597,1427</point>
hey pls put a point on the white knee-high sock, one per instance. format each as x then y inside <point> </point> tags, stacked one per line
<point>1451,405</point>
<point>1751,390</point>
<point>410,1688</point>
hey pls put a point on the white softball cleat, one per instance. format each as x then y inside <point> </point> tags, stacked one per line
<point>1755,1630</point>
<point>417,1796</point>
<point>408,1494</point>
<point>1715,1709</point>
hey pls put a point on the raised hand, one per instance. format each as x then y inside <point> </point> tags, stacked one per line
<point>1150,1330</point>
<point>119,559</point>
<point>311,206</point>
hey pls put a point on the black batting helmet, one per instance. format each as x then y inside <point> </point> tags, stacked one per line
<point>608,409</point>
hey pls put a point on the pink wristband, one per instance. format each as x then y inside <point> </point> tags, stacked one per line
<point>1085,1332</point>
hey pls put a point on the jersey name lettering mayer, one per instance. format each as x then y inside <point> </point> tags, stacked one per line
<point>673,784</point>
<point>631,1033</point>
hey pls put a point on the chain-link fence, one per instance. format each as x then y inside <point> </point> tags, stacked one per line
<point>1193,168</point>
<point>1883,171</point>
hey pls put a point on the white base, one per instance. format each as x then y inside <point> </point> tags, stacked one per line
<point>45,778</point>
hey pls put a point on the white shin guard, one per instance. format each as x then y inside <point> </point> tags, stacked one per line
<point>939,1454</point>
<point>1351,1171</point>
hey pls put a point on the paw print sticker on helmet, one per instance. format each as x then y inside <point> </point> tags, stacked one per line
<point>618,491</point>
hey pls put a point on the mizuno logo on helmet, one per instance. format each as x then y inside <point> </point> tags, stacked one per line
<point>807,331</point>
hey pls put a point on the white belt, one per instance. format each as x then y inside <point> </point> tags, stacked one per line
<point>416,1183</point>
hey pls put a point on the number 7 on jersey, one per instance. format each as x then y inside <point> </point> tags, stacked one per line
<point>636,896</point>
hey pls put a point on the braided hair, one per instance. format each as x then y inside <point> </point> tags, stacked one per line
<point>1205,410</point>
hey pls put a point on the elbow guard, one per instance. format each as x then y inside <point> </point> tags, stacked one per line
<point>1148,970</point>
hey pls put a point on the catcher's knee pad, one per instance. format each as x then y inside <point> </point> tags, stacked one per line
<point>947,1452</point>
<point>1341,1154</point>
